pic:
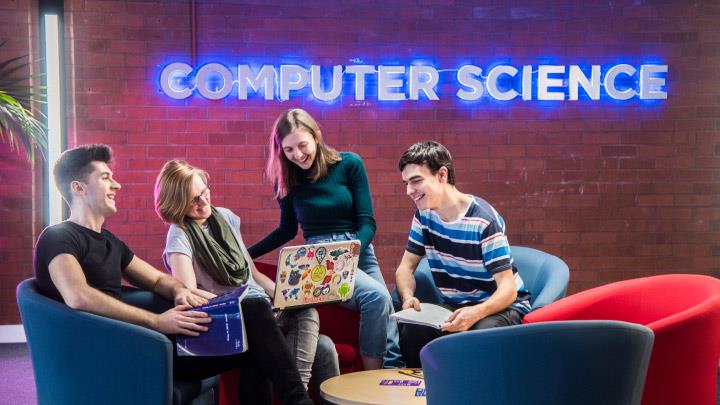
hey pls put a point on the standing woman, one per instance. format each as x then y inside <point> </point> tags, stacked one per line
<point>328,194</point>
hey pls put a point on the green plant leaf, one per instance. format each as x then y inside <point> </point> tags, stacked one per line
<point>10,61</point>
<point>18,126</point>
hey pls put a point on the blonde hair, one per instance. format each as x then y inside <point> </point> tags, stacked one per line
<point>172,190</point>
<point>283,174</point>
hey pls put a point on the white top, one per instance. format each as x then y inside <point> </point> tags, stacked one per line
<point>178,242</point>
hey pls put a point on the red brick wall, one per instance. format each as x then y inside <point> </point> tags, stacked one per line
<point>618,190</point>
<point>18,225</point>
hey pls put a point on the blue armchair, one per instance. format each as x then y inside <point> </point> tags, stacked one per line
<point>82,358</point>
<point>545,276</point>
<point>550,363</point>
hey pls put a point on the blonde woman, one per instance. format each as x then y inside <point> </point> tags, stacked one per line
<point>328,194</point>
<point>205,251</point>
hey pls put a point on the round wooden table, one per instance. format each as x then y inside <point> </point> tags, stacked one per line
<point>363,387</point>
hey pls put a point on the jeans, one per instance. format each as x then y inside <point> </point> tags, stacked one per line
<point>378,332</point>
<point>326,366</point>
<point>314,354</point>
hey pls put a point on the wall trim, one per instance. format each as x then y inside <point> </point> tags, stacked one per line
<point>12,334</point>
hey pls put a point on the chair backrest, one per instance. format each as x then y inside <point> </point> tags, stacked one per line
<point>545,276</point>
<point>81,358</point>
<point>683,310</point>
<point>575,362</point>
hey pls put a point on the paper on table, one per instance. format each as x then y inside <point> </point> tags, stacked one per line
<point>412,372</point>
<point>430,315</point>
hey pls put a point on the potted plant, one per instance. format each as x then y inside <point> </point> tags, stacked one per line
<point>18,126</point>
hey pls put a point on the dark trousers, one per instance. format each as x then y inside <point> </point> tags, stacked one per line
<point>414,337</point>
<point>267,357</point>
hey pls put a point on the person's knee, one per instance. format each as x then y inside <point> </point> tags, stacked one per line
<point>255,303</point>
<point>326,348</point>
<point>508,317</point>
<point>326,357</point>
<point>377,299</point>
<point>256,308</point>
<point>308,316</point>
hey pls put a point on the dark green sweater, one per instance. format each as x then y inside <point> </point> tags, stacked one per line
<point>338,202</point>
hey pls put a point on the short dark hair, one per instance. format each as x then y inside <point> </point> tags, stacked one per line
<point>75,164</point>
<point>431,154</point>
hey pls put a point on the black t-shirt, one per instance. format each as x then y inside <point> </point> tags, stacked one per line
<point>102,256</point>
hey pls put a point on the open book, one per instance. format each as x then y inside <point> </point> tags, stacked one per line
<point>429,315</point>
<point>226,332</point>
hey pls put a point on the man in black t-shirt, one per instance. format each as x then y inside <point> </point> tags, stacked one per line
<point>81,264</point>
<point>99,254</point>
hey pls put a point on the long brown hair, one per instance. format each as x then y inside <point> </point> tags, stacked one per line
<point>283,174</point>
<point>172,190</point>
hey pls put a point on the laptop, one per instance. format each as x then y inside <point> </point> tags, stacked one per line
<point>322,273</point>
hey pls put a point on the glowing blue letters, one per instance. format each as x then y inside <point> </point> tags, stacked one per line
<point>215,81</point>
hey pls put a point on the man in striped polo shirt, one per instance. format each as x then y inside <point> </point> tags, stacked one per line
<point>464,241</point>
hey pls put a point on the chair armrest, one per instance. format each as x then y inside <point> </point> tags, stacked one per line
<point>686,342</point>
<point>586,305</point>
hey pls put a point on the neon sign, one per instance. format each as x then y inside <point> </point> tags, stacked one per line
<point>215,81</point>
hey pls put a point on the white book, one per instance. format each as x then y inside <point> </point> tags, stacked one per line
<point>430,315</point>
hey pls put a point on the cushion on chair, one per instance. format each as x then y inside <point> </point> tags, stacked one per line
<point>347,357</point>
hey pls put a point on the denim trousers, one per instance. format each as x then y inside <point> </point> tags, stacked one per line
<point>315,354</point>
<point>378,332</point>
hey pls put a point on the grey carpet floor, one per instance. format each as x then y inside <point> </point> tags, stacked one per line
<point>17,383</point>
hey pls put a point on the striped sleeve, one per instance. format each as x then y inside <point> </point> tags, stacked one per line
<point>495,248</point>
<point>415,243</point>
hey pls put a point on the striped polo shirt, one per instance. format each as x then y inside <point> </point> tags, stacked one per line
<point>464,254</point>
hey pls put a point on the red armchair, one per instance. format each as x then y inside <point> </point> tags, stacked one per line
<point>683,311</point>
<point>340,324</point>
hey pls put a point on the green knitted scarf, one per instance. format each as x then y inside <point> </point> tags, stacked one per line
<point>218,251</point>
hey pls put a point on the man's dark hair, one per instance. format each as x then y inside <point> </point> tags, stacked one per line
<point>74,164</point>
<point>431,154</point>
